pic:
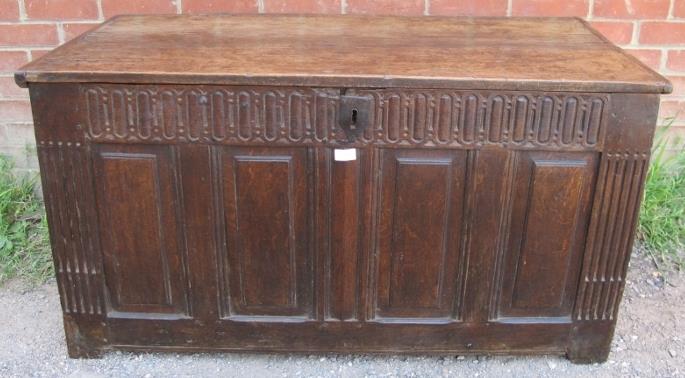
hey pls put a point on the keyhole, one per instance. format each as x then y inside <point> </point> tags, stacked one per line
<point>354,119</point>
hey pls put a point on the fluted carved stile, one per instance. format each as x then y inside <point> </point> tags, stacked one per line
<point>74,237</point>
<point>610,237</point>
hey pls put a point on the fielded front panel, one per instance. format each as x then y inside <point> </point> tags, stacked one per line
<point>469,216</point>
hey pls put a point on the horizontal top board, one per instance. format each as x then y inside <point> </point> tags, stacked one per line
<point>546,54</point>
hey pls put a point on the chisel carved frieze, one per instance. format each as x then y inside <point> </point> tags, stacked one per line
<point>226,115</point>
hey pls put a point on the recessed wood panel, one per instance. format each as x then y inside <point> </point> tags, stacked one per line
<point>266,264</point>
<point>551,197</point>
<point>418,233</point>
<point>138,214</point>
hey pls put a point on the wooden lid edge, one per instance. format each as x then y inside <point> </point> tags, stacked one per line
<point>666,86</point>
<point>659,86</point>
<point>20,79</point>
<point>22,76</point>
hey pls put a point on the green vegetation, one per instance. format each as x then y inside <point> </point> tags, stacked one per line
<point>24,245</point>
<point>662,216</point>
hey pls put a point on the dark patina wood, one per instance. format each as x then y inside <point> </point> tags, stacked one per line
<point>195,202</point>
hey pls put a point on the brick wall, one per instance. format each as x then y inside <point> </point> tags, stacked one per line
<point>652,30</point>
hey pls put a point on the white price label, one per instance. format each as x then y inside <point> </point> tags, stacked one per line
<point>345,154</point>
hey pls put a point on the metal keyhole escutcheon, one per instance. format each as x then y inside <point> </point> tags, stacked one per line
<point>353,116</point>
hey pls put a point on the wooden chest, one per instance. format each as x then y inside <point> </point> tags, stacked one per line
<point>342,184</point>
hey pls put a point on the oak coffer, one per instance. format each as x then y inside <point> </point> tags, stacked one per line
<point>342,183</point>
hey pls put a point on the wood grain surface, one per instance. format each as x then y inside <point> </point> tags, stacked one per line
<point>428,52</point>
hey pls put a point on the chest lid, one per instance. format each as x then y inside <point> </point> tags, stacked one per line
<point>546,54</point>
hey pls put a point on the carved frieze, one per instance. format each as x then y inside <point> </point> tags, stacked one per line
<point>475,118</point>
<point>282,115</point>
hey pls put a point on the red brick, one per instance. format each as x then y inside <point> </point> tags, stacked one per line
<point>549,7</point>
<point>28,35</point>
<point>113,7</point>
<point>9,10</point>
<point>666,33</point>
<point>61,9</point>
<point>652,58</point>
<point>617,32</point>
<point>405,7</point>
<point>35,54</point>
<point>679,8</point>
<point>631,8</point>
<point>72,31</point>
<point>11,60</point>
<point>213,6</point>
<point>8,88</point>
<point>468,8</point>
<point>671,111</point>
<point>15,110</point>
<point>675,60</point>
<point>302,6</point>
<point>678,86</point>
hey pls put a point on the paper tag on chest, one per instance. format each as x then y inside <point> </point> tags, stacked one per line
<point>345,154</point>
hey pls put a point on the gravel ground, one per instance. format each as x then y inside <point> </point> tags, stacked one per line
<point>649,342</point>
